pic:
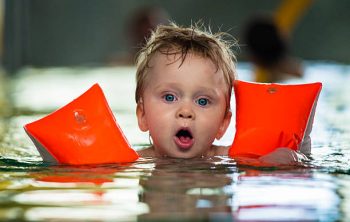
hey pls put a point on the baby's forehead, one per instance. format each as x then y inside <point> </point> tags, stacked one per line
<point>168,58</point>
<point>162,58</point>
<point>163,64</point>
<point>163,61</point>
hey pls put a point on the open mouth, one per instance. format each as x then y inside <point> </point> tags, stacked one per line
<point>184,134</point>
<point>184,139</point>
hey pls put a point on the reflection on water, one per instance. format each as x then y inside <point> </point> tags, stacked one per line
<point>207,189</point>
<point>215,189</point>
<point>180,189</point>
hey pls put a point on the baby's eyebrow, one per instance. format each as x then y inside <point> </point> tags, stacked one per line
<point>202,90</point>
<point>167,85</point>
<point>208,91</point>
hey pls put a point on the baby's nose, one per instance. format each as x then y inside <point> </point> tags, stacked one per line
<point>185,112</point>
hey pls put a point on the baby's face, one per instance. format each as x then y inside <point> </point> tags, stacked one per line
<point>184,107</point>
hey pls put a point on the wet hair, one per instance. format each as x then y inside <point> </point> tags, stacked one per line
<point>172,39</point>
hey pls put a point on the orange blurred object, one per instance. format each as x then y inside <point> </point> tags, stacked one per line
<point>82,132</point>
<point>271,115</point>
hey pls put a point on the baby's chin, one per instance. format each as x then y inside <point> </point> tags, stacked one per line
<point>177,152</point>
<point>185,155</point>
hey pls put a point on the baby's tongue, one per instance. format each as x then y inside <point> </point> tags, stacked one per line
<point>185,139</point>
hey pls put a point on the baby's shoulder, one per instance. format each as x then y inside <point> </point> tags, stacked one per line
<point>220,150</point>
<point>146,152</point>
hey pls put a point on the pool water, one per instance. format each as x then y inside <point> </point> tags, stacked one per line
<point>214,189</point>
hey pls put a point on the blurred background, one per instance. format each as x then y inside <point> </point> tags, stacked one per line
<point>96,33</point>
<point>51,51</point>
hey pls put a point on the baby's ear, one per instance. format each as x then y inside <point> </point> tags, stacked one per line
<point>141,117</point>
<point>225,123</point>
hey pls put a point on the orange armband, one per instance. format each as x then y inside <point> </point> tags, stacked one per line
<point>82,132</point>
<point>269,116</point>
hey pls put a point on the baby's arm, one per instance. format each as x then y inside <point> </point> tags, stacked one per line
<point>288,156</point>
<point>283,156</point>
<point>147,152</point>
<point>280,156</point>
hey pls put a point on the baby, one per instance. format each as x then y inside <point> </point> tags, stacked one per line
<point>184,82</point>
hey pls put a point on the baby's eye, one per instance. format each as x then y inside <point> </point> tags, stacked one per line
<point>169,97</point>
<point>202,101</point>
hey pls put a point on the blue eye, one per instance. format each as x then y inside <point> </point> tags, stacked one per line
<point>169,97</point>
<point>202,101</point>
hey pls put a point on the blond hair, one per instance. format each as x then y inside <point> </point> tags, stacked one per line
<point>172,39</point>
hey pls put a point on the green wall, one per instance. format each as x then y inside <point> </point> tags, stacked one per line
<point>89,32</point>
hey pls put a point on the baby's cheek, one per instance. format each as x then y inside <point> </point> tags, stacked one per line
<point>159,126</point>
<point>209,128</point>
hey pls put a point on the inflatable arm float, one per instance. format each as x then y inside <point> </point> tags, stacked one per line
<point>271,115</point>
<point>82,132</point>
<point>268,116</point>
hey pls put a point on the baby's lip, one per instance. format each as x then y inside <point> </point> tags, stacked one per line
<point>184,139</point>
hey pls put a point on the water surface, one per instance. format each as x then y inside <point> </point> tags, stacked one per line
<point>214,189</point>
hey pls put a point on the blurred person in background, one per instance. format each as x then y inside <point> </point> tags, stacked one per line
<point>267,40</point>
<point>139,27</point>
